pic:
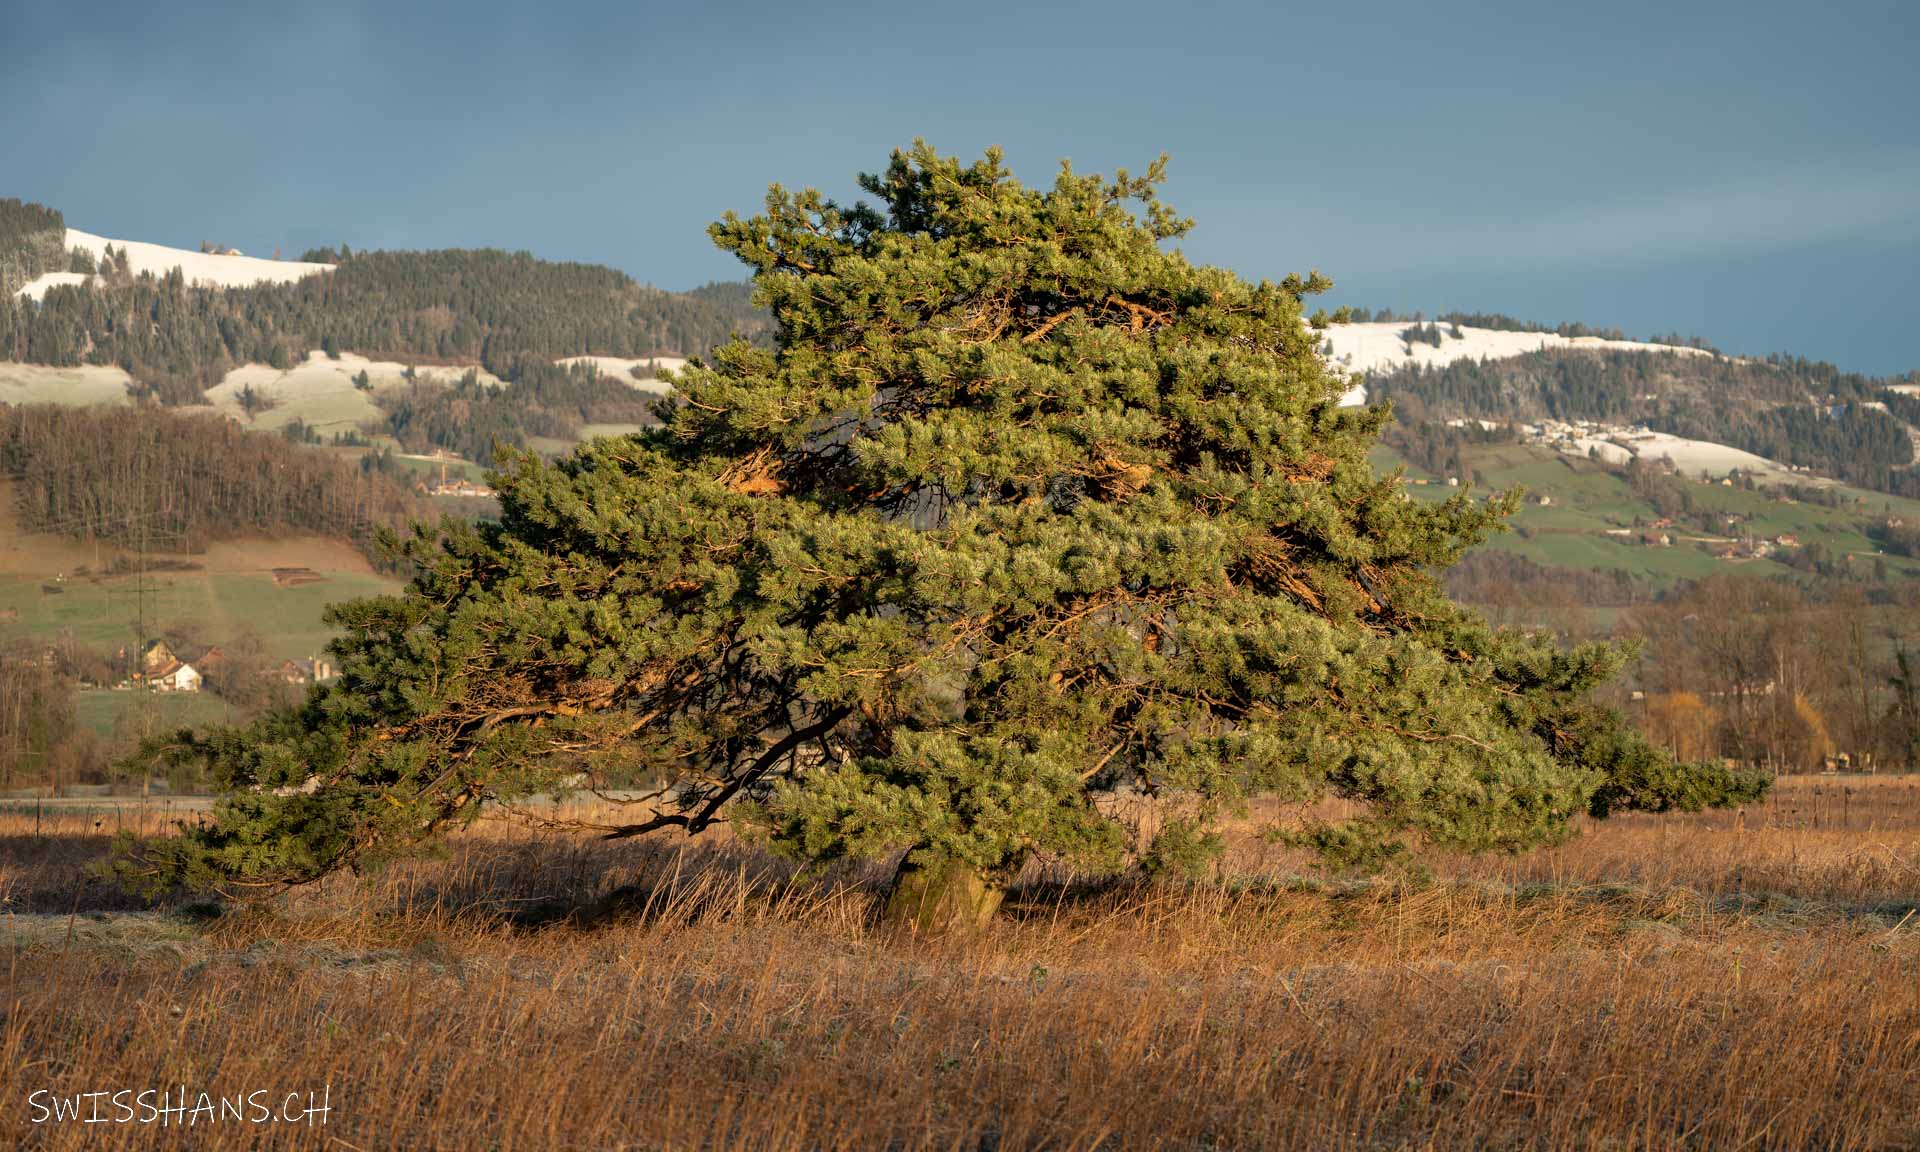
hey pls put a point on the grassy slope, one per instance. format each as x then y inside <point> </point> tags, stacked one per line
<point>217,606</point>
<point>234,596</point>
<point>1587,500</point>
<point>135,714</point>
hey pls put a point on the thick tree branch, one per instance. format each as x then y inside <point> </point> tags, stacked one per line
<point>757,769</point>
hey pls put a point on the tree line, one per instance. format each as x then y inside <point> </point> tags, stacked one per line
<point>1773,672</point>
<point>1494,321</point>
<point>39,735</point>
<point>177,482</point>
<point>33,242</point>
<point>1501,322</point>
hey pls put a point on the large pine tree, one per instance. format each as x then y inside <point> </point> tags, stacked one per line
<point>1022,508</point>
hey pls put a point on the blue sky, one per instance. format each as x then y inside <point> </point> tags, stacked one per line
<point>1749,172</point>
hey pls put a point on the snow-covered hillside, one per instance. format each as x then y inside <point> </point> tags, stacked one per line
<point>1691,458</point>
<point>228,271</point>
<point>1364,349</point>
<point>643,374</point>
<point>320,391</point>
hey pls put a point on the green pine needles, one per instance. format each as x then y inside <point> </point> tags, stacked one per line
<point>1023,510</point>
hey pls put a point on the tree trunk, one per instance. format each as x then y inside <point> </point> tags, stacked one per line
<point>951,896</point>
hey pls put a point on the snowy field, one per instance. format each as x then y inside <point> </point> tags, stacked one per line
<point>1375,347</point>
<point>321,392</point>
<point>1605,450</point>
<point>1692,458</point>
<point>1380,348</point>
<point>198,267</point>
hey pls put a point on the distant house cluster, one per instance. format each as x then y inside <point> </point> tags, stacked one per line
<point>1566,434</point>
<point>453,487</point>
<point>1750,547</point>
<point>1651,537</point>
<point>162,669</point>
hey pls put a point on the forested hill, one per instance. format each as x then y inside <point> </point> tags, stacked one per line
<point>490,305</point>
<point>181,481</point>
<point>1799,412</point>
<point>485,306</point>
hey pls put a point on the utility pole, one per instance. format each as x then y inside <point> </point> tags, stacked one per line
<point>140,608</point>
<point>147,701</point>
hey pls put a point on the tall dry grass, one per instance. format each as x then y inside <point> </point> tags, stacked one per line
<point>1712,982</point>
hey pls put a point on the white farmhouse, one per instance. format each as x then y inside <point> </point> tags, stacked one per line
<point>175,677</point>
<point>163,671</point>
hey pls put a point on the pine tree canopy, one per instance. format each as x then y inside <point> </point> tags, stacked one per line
<point>1022,510</point>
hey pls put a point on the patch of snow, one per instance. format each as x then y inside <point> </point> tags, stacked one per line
<point>1606,450</point>
<point>198,267</point>
<point>1376,347</point>
<point>442,373</point>
<point>1693,457</point>
<point>318,390</point>
<point>36,289</point>
<point>647,379</point>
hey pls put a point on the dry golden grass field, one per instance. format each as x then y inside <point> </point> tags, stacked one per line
<point>1725,981</point>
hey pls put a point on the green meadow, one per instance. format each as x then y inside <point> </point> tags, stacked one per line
<point>1586,500</point>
